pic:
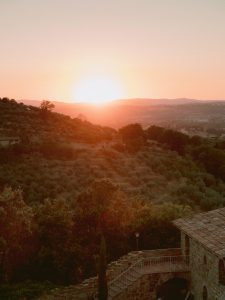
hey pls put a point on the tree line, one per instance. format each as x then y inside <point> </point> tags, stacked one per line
<point>58,240</point>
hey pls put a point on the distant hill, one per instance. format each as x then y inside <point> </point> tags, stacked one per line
<point>152,102</point>
<point>145,111</point>
<point>130,102</point>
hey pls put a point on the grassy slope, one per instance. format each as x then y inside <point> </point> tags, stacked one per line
<point>156,174</point>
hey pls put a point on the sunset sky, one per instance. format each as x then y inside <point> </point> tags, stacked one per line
<point>154,49</point>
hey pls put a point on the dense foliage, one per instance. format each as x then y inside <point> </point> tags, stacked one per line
<point>67,182</point>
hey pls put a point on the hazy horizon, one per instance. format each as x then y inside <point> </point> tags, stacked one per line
<point>122,99</point>
<point>149,49</point>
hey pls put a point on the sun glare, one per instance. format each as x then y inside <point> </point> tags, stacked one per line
<point>98,90</point>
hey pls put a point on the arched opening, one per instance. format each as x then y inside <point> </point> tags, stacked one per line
<point>174,289</point>
<point>205,293</point>
<point>221,272</point>
<point>187,245</point>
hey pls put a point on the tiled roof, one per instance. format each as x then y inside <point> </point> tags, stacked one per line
<point>208,228</point>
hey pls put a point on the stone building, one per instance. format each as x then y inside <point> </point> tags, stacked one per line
<point>196,268</point>
<point>203,241</point>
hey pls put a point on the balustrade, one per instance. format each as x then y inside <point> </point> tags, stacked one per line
<point>147,265</point>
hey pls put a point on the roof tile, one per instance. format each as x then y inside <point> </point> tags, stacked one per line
<point>208,228</point>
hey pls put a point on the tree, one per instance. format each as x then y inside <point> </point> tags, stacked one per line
<point>196,140</point>
<point>176,141</point>
<point>56,259</point>
<point>155,132</point>
<point>93,205</point>
<point>103,209</point>
<point>133,136</point>
<point>102,266</point>
<point>16,226</point>
<point>46,106</point>
<point>212,159</point>
<point>153,222</point>
<point>131,131</point>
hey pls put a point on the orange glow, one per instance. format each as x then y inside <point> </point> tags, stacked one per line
<point>98,90</point>
<point>157,49</point>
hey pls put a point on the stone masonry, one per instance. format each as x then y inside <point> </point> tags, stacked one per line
<point>203,240</point>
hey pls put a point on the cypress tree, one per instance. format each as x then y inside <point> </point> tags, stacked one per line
<point>102,266</point>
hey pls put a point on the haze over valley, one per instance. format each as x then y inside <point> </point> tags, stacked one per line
<point>201,117</point>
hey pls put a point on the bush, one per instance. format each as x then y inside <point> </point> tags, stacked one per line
<point>27,290</point>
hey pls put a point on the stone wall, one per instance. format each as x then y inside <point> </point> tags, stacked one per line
<point>146,287</point>
<point>204,271</point>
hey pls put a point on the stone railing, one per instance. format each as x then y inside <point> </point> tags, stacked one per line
<point>165,264</point>
<point>151,265</point>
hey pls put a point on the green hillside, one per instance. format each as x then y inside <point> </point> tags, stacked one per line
<point>67,182</point>
<point>63,156</point>
<point>154,174</point>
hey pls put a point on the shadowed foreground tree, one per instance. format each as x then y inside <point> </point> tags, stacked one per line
<point>103,209</point>
<point>57,256</point>
<point>102,266</point>
<point>57,239</point>
<point>154,223</point>
<point>16,225</point>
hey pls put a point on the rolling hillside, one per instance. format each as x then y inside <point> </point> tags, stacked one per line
<point>66,182</point>
<point>66,155</point>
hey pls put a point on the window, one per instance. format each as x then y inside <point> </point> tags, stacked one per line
<point>205,293</point>
<point>221,272</point>
<point>187,245</point>
<point>205,260</point>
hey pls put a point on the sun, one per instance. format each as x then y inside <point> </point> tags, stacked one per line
<point>98,90</point>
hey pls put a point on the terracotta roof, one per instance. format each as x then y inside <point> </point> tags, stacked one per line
<point>207,228</point>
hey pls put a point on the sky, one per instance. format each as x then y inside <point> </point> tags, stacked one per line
<point>152,48</point>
